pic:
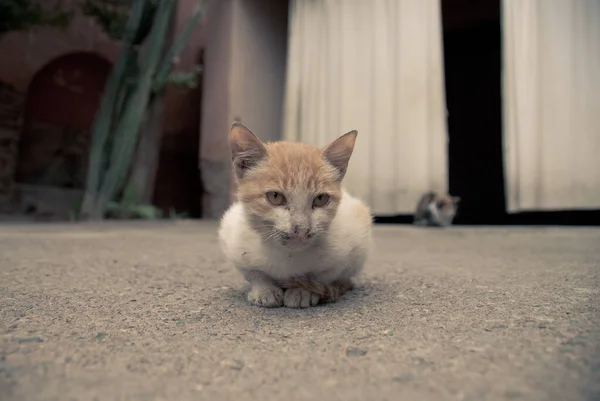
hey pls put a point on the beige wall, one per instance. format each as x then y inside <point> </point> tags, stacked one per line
<point>258,65</point>
<point>244,44</point>
<point>244,78</point>
<point>214,152</point>
<point>28,51</point>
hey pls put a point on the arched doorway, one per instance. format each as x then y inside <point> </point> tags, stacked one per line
<point>60,106</point>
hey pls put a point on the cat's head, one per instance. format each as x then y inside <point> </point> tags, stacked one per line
<point>443,208</point>
<point>290,191</point>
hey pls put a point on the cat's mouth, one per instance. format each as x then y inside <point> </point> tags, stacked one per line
<point>296,243</point>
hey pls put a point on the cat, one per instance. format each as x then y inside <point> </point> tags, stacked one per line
<point>436,210</point>
<point>294,233</point>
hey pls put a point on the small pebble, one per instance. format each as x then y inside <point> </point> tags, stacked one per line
<point>497,326</point>
<point>355,351</point>
<point>233,364</point>
<point>404,378</point>
<point>422,362</point>
<point>512,394</point>
<point>100,336</point>
<point>28,340</point>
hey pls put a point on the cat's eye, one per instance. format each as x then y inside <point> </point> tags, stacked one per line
<point>440,204</point>
<point>275,198</point>
<point>321,200</point>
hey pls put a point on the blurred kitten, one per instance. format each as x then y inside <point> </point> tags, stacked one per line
<point>436,210</point>
<point>294,233</point>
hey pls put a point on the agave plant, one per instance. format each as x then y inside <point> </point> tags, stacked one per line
<point>140,73</point>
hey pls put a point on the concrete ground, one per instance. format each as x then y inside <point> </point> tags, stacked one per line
<point>151,311</point>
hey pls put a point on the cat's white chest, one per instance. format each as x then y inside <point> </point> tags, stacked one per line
<point>282,264</point>
<point>341,253</point>
<point>245,248</point>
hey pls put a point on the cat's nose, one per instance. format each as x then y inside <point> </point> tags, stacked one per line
<point>300,232</point>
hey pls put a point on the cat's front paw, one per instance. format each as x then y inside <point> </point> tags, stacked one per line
<point>299,298</point>
<point>267,297</point>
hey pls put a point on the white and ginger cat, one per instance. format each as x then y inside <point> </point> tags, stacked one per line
<point>436,210</point>
<point>294,233</point>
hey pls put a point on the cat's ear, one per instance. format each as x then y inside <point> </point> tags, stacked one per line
<point>455,200</point>
<point>246,149</point>
<point>338,152</point>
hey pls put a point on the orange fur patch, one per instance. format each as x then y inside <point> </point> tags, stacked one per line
<point>289,165</point>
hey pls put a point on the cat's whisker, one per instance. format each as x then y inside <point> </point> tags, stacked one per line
<point>274,235</point>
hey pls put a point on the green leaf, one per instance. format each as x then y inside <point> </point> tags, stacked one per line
<point>127,128</point>
<point>187,80</point>
<point>178,45</point>
<point>104,116</point>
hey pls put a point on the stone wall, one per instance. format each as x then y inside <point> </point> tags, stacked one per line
<point>11,106</point>
<point>246,47</point>
<point>47,203</point>
<point>26,53</point>
<point>54,156</point>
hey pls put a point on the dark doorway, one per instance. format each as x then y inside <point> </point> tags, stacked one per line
<point>178,186</point>
<point>472,55</point>
<point>61,103</point>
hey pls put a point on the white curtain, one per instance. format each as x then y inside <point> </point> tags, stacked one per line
<point>552,104</point>
<point>375,66</point>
